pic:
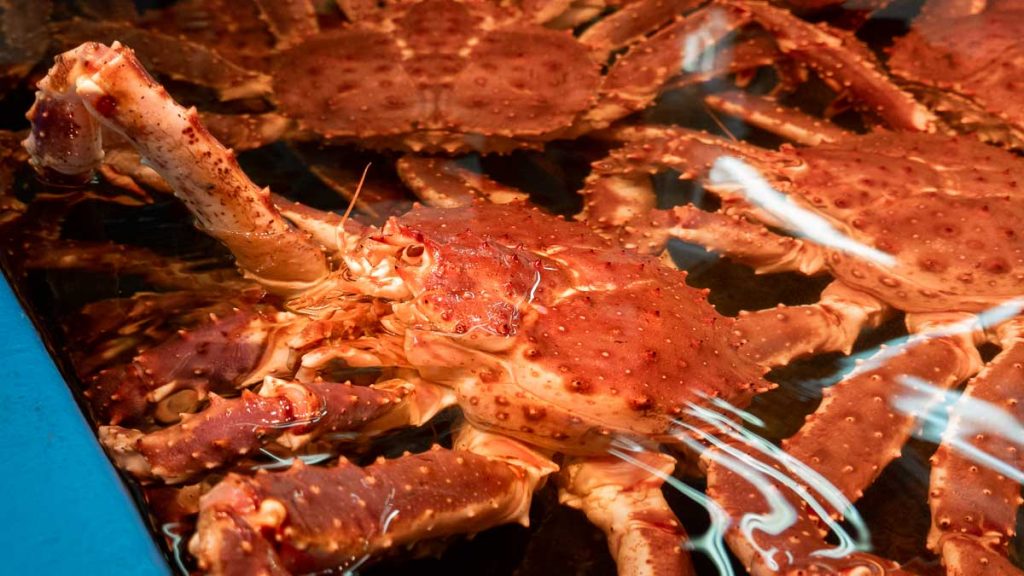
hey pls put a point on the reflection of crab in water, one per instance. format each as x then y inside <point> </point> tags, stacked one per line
<point>552,342</point>
<point>924,224</point>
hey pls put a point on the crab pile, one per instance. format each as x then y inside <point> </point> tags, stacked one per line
<point>257,388</point>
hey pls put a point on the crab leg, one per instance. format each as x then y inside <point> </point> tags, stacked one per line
<point>841,61</point>
<point>874,437</point>
<point>173,57</point>
<point>230,428</point>
<point>775,336</point>
<point>974,504</point>
<point>561,14</point>
<point>384,350</point>
<point>767,114</point>
<point>444,183</point>
<point>290,21</point>
<point>631,22</point>
<point>222,354</point>
<point>744,241</point>
<point>870,439</point>
<point>619,198</point>
<point>769,529</point>
<point>636,78</point>
<point>742,60</point>
<point>940,10</point>
<point>123,260</point>
<point>94,83</point>
<point>624,499</point>
<point>246,131</point>
<point>228,347</point>
<point>322,518</point>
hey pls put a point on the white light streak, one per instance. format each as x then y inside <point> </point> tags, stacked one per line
<point>699,47</point>
<point>733,171</point>
<point>973,416</point>
<point>712,542</point>
<point>279,462</point>
<point>813,480</point>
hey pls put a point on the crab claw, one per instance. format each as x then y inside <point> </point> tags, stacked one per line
<point>96,85</point>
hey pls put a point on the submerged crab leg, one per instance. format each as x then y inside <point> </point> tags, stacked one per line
<point>767,114</point>
<point>222,354</point>
<point>173,57</point>
<point>123,260</point>
<point>94,83</point>
<point>444,183</point>
<point>231,428</point>
<point>870,439</point>
<point>940,10</point>
<point>624,499</point>
<point>636,78</point>
<point>384,350</point>
<point>773,337</point>
<point>246,131</point>
<point>744,241</point>
<point>320,518</point>
<point>769,530</point>
<point>742,60</point>
<point>290,21</point>
<point>974,504</point>
<point>619,197</point>
<point>631,22</point>
<point>841,61</point>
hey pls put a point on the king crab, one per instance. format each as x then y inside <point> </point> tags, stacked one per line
<point>556,345</point>
<point>923,224</point>
<point>965,60</point>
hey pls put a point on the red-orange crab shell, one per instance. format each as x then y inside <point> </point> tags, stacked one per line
<point>966,59</point>
<point>435,73</point>
<point>947,208</point>
<point>591,339</point>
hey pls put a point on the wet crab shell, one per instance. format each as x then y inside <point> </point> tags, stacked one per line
<point>969,68</point>
<point>594,339</point>
<point>435,75</point>
<point>947,208</point>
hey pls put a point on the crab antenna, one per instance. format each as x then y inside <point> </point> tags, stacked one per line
<point>718,121</point>
<point>352,203</point>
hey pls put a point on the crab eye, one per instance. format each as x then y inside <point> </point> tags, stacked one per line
<point>413,254</point>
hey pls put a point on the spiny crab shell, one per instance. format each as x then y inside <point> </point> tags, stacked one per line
<point>553,341</point>
<point>512,307</point>
<point>947,208</point>
<point>434,71</point>
<point>966,59</point>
